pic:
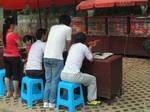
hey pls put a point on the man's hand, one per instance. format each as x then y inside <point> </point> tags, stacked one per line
<point>92,44</point>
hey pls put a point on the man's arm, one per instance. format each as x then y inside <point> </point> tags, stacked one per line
<point>89,54</point>
<point>68,44</point>
<point>68,40</point>
<point>18,43</point>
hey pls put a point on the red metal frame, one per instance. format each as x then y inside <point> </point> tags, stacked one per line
<point>91,4</point>
<point>21,4</point>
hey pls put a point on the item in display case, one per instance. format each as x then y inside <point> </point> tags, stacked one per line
<point>117,26</point>
<point>96,26</point>
<point>78,25</point>
<point>140,26</point>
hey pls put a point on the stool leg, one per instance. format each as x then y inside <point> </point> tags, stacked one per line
<point>2,83</point>
<point>81,95</point>
<point>2,88</point>
<point>42,89</point>
<point>58,98</point>
<point>71,98</point>
<point>29,103</point>
<point>22,90</point>
<point>57,107</point>
<point>29,93</point>
<point>71,109</point>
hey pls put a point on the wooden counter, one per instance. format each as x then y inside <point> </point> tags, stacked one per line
<point>128,46</point>
<point>108,73</point>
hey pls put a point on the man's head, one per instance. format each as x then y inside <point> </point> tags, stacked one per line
<point>80,38</point>
<point>27,39</point>
<point>65,19</point>
<point>41,34</point>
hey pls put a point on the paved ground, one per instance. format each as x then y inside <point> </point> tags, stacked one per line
<point>135,98</point>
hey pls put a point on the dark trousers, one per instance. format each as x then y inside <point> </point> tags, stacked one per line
<point>36,74</point>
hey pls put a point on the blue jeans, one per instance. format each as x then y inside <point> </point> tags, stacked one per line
<point>53,68</point>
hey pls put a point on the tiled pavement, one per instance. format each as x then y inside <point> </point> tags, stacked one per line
<point>135,98</point>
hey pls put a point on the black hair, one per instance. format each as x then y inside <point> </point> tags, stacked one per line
<point>80,38</point>
<point>27,38</point>
<point>40,32</point>
<point>6,25</point>
<point>65,19</point>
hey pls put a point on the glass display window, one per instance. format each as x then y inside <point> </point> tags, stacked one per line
<point>117,26</point>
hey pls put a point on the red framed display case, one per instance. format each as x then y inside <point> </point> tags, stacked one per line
<point>78,24</point>
<point>123,39</point>
<point>139,27</point>
<point>96,26</point>
<point>117,26</point>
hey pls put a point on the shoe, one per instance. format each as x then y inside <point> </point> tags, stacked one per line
<point>94,102</point>
<point>46,105</point>
<point>51,105</point>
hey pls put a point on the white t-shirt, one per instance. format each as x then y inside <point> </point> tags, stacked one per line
<point>57,41</point>
<point>75,57</point>
<point>35,56</point>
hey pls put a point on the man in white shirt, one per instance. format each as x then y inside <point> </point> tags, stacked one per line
<point>59,37</point>
<point>34,64</point>
<point>71,72</point>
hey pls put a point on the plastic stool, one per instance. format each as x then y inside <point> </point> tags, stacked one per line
<point>2,84</point>
<point>72,100</point>
<point>30,91</point>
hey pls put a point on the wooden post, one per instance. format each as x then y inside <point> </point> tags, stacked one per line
<point>74,7</point>
<point>38,3</point>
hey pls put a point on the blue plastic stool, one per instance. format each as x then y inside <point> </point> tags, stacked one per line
<point>2,84</point>
<point>72,100</point>
<point>30,91</point>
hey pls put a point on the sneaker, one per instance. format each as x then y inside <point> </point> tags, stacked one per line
<point>51,105</point>
<point>46,105</point>
<point>94,102</point>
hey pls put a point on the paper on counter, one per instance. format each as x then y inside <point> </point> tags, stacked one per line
<point>102,55</point>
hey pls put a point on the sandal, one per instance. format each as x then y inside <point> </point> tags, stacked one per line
<point>8,95</point>
<point>94,102</point>
<point>16,96</point>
